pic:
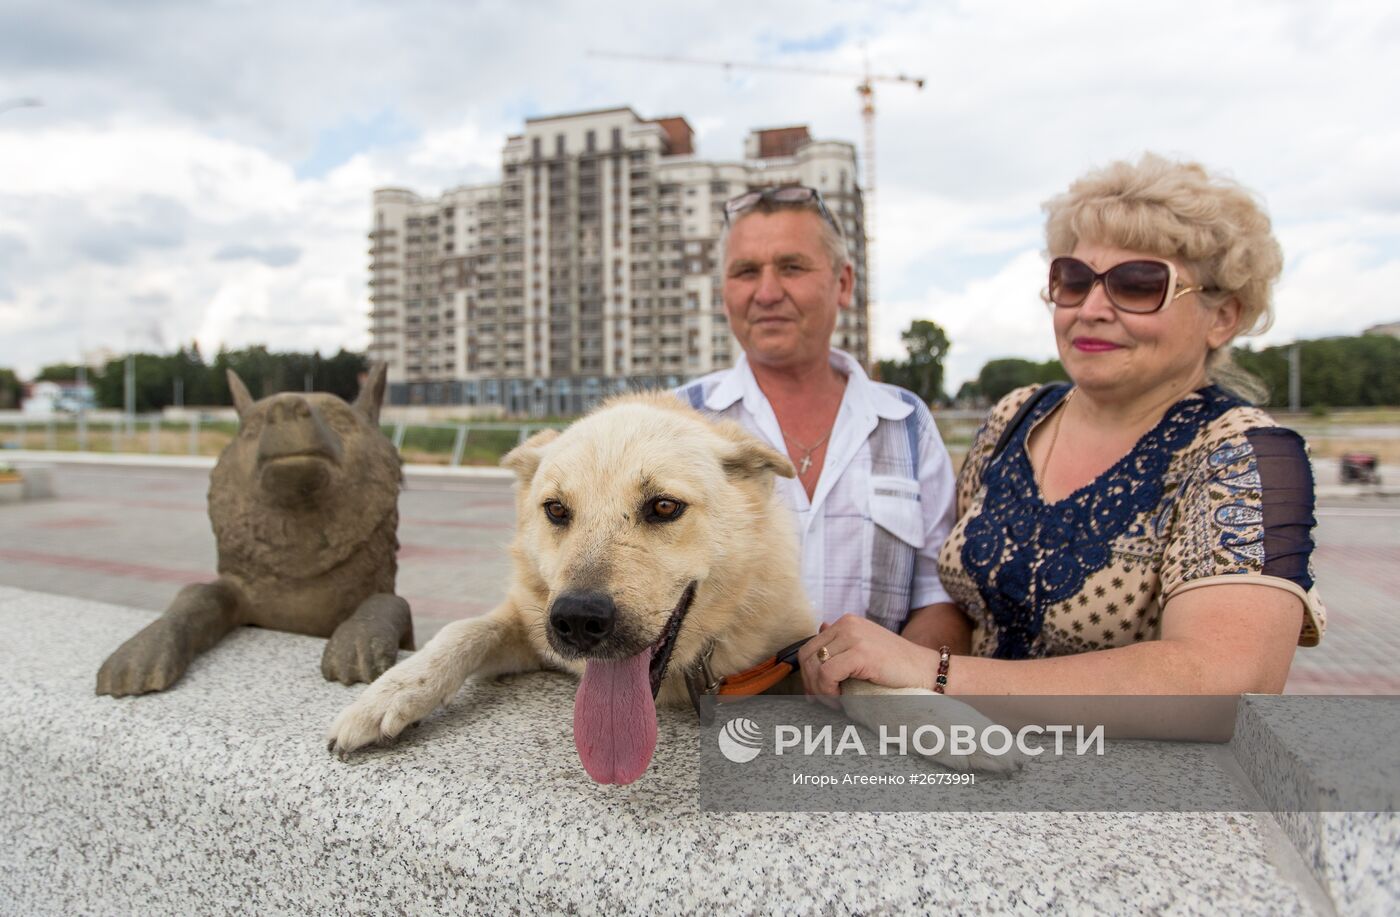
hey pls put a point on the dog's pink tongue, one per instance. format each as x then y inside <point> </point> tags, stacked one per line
<point>615,718</point>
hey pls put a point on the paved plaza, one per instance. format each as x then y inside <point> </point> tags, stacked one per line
<point>134,535</point>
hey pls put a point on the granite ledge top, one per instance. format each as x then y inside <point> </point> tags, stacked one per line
<point>485,803</point>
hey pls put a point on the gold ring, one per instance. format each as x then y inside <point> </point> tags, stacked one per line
<point>823,654</point>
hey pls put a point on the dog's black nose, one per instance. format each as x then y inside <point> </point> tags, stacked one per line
<point>582,619</point>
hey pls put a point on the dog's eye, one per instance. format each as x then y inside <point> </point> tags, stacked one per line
<point>556,512</point>
<point>664,509</point>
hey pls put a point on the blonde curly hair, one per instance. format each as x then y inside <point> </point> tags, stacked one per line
<point>1178,210</point>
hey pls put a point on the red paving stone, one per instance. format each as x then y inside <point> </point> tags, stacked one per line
<point>1344,682</point>
<point>106,567</point>
<point>77,522</point>
<point>411,552</point>
<point>1378,566</point>
<point>457,524</point>
<point>444,608</point>
<point>179,506</point>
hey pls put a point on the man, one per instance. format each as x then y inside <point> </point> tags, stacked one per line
<point>874,492</point>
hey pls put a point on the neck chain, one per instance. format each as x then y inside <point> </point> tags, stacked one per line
<point>1054,438</point>
<point>806,463</point>
<point>1039,553</point>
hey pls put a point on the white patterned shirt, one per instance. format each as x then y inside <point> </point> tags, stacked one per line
<point>836,526</point>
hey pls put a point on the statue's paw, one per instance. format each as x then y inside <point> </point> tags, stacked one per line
<point>150,661</point>
<point>385,709</point>
<point>356,654</point>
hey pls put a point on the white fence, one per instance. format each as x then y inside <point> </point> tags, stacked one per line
<point>194,434</point>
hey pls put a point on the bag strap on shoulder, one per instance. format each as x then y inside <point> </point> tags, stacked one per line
<point>1020,416</point>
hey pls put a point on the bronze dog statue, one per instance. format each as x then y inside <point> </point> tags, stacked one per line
<point>304,506</point>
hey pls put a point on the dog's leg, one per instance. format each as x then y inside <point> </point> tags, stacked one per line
<point>366,644</point>
<point>160,652</point>
<point>494,644</point>
<point>874,706</point>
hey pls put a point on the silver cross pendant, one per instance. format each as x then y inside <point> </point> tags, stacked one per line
<point>806,463</point>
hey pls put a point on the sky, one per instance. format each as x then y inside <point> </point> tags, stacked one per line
<point>203,171</point>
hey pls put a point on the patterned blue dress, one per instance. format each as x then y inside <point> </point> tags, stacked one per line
<point>1214,492</point>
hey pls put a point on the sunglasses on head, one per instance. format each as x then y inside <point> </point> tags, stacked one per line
<point>1139,287</point>
<point>784,194</point>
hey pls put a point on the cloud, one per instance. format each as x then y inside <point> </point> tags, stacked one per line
<point>832,38</point>
<point>119,244</point>
<point>12,249</point>
<point>997,315</point>
<point>337,144</point>
<point>220,184</point>
<point>1353,278</point>
<point>272,255</point>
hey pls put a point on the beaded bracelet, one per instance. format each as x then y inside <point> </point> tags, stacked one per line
<point>941,682</point>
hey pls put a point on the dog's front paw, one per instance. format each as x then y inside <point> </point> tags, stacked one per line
<point>940,729</point>
<point>385,709</point>
<point>978,760</point>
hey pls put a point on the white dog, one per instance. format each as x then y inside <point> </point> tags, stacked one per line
<point>647,536</point>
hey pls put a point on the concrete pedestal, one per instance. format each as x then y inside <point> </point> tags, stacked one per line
<point>219,796</point>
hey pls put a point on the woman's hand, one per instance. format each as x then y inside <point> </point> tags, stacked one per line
<point>860,648</point>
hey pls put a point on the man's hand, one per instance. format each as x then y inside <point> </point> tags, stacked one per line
<point>860,648</point>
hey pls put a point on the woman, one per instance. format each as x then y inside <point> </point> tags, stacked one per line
<point>1143,530</point>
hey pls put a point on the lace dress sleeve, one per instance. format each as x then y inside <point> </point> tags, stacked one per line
<point>1248,511</point>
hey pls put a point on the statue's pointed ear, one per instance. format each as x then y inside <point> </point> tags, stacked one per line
<point>242,401</point>
<point>524,459</point>
<point>371,397</point>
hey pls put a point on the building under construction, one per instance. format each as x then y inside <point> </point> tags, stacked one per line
<point>592,267</point>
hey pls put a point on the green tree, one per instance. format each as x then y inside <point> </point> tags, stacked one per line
<point>266,373</point>
<point>255,366</point>
<point>340,374</point>
<point>922,373</point>
<point>58,372</point>
<point>10,390</point>
<point>1270,366</point>
<point>999,377</point>
<point>1333,372</point>
<point>154,389</point>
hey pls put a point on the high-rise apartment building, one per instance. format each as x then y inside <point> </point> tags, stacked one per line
<point>590,268</point>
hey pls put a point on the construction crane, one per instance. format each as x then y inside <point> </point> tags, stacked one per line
<point>865,89</point>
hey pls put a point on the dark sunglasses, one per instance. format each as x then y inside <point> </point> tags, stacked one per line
<point>784,194</point>
<point>1139,287</point>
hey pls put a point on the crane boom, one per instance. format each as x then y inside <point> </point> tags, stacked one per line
<point>917,81</point>
<point>865,89</point>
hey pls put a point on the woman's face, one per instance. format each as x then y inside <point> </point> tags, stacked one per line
<point>1120,354</point>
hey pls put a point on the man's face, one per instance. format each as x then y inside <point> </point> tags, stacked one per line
<point>781,293</point>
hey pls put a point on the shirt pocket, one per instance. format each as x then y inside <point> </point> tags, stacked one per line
<point>897,507</point>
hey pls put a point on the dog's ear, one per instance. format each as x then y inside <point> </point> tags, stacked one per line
<point>524,459</point>
<point>749,457</point>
